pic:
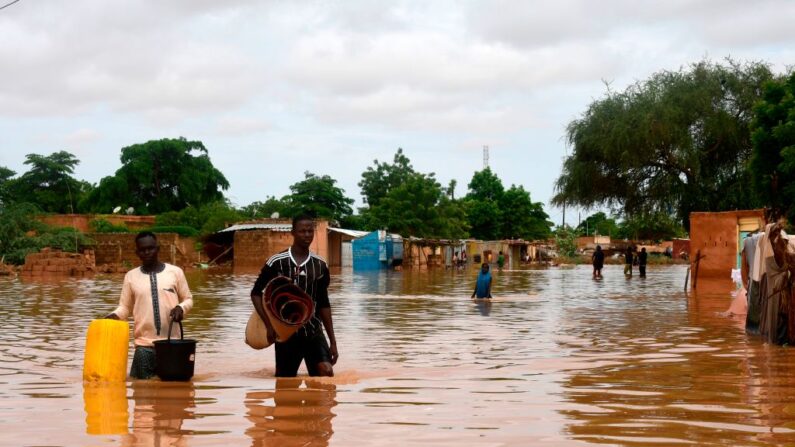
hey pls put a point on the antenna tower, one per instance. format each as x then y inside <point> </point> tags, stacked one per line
<point>485,157</point>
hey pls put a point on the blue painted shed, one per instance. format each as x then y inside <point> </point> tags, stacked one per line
<point>377,250</point>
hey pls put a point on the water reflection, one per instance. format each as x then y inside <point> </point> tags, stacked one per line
<point>292,414</point>
<point>483,306</point>
<point>160,408</point>
<point>105,405</point>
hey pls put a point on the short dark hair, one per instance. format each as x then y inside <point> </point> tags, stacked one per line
<point>302,217</point>
<point>144,234</point>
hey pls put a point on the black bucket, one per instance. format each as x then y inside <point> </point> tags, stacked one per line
<point>174,359</point>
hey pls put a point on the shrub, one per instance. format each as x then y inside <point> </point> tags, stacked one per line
<point>103,226</point>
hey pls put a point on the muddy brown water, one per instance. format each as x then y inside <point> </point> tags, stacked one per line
<point>557,359</point>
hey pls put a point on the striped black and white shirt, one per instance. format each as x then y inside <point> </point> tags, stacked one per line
<point>312,276</point>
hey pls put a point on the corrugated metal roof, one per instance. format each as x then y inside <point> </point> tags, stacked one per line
<point>351,233</point>
<point>260,226</point>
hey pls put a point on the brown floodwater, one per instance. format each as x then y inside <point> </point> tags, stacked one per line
<point>556,359</point>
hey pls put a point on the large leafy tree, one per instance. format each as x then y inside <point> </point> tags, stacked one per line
<point>483,205</point>
<point>160,176</point>
<point>48,183</point>
<point>497,213</point>
<point>598,223</point>
<point>420,207</point>
<point>773,160</point>
<point>677,142</point>
<point>318,196</point>
<point>523,218</point>
<point>651,227</point>
<point>378,180</point>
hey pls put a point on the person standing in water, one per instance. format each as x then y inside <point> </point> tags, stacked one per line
<point>598,261</point>
<point>642,258</point>
<point>629,256</point>
<point>309,272</point>
<point>483,284</point>
<point>148,293</point>
<point>500,261</point>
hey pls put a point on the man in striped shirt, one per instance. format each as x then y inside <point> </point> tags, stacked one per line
<point>310,272</point>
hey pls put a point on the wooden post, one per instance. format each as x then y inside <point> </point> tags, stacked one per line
<point>695,271</point>
<point>687,277</point>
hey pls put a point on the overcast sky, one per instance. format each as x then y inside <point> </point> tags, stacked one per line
<point>274,89</point>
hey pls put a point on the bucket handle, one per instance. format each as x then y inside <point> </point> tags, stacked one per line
<point>181,333</point>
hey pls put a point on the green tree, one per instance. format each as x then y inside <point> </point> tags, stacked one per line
<point>205,219</point>
<point>318,196</point>
<point>256,210</point>
<point>523,218</point>
<point>378,180</point>
<point>420,207</point>
<point>21,233</point>
<point>566,241</point>
<point>483,205</point>
<point>160,176</point>
<point>598,223</point>
<point>773,161</point>
<point>5,181</point>
<point>678,141</point>
<point>650,227</point>
<point>48,183</point>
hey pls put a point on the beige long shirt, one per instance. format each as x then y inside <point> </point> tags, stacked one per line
<point>136,300</point>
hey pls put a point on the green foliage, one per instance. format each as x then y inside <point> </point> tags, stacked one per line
<point>598,224</point>
<point>317,196</point>
<point>523,218</point>
<point>48,183</point>
<point>495,213</point>
<point>5,177</point>
<point>651,227</point>
<point>483,205</point>
<point>160,176</point>
<point>21,233</point>
<point>257,210</point>
<point>16,221</point>
<point>420,207</point>
<point>203,220</point>
<point>355,222</point>
<point>377,181</point>
<point>182,230</point>
<point>773,161</point>
<point>677,142</point>
<point>566,241</point>
<point>103,226</point>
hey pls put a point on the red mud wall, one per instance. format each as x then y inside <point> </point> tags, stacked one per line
<point>57,263</point>
<point>253,247</point>
<point>119,248</point>
<point>716,235</point>
<point>81,221</point>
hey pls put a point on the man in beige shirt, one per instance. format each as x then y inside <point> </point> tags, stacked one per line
<point>149,293</point>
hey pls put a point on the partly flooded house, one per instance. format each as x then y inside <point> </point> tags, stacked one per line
<point>716,240</point>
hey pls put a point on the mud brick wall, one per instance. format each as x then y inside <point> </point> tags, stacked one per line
<point>119,248</point>
<point>253,247</point>
<point>57,263</point>
<point>717,236</point>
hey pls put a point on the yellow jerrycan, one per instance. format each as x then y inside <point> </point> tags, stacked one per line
<point>105,359</point>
